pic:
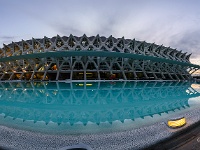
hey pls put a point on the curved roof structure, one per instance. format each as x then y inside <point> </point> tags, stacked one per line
<point>84,43</point>
<point>115,54</point>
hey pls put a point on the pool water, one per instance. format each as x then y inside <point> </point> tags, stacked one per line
<point>39,105</point>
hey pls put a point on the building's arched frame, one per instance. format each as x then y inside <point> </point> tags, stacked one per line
<point>92,58</point>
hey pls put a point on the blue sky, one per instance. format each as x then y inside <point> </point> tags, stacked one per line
<point>174,23</point>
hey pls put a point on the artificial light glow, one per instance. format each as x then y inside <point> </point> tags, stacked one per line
<point>86,73</point>
<point>54,67</point>
<point>87,84</point>
<point>176,123</point>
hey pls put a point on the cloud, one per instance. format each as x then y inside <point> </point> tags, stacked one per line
<point>86,26</point>
<point>188,41</point>
<point>6,37</point>
<point>174,23</point>
<point>6,40</point>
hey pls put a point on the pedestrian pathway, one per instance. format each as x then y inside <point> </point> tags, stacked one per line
<point>188,139</point>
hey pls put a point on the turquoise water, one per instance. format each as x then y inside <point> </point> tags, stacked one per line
<point>86,103</point>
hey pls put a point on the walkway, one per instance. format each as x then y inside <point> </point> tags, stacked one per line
<point>188,139</point>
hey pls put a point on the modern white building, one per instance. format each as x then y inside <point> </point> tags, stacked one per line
<point>92,58</point>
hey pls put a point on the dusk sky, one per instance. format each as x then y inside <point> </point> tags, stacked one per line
<point>174,23</point>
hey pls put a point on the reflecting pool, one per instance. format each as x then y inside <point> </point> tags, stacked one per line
<point>39,105</point>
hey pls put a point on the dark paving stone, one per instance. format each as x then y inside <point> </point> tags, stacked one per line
<point>188,139</point>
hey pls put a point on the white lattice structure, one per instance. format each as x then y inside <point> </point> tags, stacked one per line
<point>98,102</point>
<point>92,58</point>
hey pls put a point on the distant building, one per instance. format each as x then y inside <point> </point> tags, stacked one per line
<point>92,58</point>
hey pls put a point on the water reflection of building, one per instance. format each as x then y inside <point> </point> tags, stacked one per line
<point>96,102</point>
<point>92,58</point>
